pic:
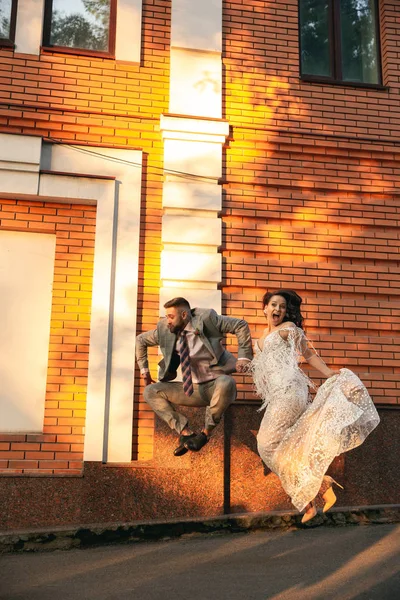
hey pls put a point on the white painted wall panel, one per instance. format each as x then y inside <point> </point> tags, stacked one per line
<point>26,280</point>
<point>19,163</point>
<point>193,158</point>
<point>196,83</point>
<point>197,24</point>
<point>12,182</point>
<point>190,266</point>
<point>29,26</point>
<point>177,229</point>
<point>21,149</point>
<point>129,30</point>
<point>199,196</point>
<point>192,129</point>
<point>196,297</point>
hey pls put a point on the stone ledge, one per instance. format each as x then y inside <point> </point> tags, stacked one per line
<point>85,536</point>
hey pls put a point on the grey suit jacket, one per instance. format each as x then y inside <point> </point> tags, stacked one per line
<point>211,328</point>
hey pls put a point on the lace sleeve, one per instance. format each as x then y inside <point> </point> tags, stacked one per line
<point>303,345</point>
<point>297,338</point>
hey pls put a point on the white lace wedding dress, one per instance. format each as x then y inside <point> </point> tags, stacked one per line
<point>297,439</point>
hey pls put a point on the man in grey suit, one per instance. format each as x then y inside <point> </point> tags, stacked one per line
<point>193,337</point>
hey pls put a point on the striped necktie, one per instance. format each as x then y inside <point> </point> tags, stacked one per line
<point>185,364</point>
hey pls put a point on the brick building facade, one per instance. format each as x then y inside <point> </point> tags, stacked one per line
<point>193,156</point>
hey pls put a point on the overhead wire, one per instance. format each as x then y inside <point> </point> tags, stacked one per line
<point>176,173</point>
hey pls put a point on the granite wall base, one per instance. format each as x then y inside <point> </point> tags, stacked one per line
<point>226,476</point>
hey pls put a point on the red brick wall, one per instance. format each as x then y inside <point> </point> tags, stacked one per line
<point>305,168</point>
<point>76,99</point>
<point>311,195</point>
<point>59,449</point>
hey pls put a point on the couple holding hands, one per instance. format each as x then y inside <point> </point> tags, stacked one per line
<point>298,439</point>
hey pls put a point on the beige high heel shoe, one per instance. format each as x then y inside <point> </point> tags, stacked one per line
<point>311,511</point>
<point>329,495</point>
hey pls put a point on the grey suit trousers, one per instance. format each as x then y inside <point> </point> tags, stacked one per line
<point>215,395</point>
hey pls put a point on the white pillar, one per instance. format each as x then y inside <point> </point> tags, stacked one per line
<point>193,134</point>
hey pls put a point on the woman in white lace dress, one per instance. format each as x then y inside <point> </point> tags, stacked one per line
<point>298,439</point>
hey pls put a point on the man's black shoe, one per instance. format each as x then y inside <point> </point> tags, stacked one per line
<point>196,442</point>
<point>182,449</point>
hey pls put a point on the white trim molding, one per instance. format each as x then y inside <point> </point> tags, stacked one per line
<point>192,230</point>
<point>63,171</point>
<point>29,29</point>
<point>113,441</point>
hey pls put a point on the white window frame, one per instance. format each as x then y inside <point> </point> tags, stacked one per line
<point>29,29</point>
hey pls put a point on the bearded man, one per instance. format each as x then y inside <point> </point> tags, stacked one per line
<point>192,338</point>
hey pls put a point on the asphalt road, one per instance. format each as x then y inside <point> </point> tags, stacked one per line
<point>360,562</point>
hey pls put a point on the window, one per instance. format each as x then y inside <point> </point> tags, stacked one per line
<point>80,26</point>
<point>8,11</point>
<point>339,41</point>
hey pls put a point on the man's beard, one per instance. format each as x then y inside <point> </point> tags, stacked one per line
<point>176,328</point>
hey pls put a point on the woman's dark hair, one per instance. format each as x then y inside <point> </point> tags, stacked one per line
<point>293,301</point>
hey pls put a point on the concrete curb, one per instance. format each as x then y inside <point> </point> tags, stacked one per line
<point>85,536</point>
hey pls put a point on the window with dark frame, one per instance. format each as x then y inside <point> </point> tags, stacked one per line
<point>8,13</point>
<point>80,26</point>
<point>339,41</point>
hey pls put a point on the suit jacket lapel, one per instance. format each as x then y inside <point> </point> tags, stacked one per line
<point>197,323</point>
<point>168,345</point>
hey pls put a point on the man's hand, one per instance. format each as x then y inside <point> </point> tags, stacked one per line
<point>147,379</point>
<point>242,366</point>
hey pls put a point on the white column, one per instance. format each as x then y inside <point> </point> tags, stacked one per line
<point>191,233</point>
